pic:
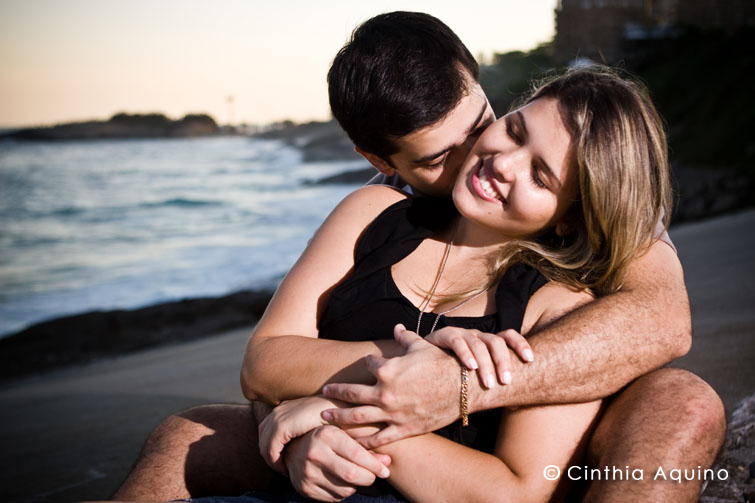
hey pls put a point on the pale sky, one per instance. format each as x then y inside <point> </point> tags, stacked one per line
<point>65,60</point>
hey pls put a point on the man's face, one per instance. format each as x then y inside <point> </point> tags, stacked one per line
<point>429,159</point>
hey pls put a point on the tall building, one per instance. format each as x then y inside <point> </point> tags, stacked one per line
<point>597,29</point>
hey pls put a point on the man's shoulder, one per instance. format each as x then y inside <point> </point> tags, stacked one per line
<point>392,181</point>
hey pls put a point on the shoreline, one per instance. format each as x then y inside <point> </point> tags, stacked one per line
<point>88,336</point>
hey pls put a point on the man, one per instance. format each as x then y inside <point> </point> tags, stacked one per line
<point>405,90</point>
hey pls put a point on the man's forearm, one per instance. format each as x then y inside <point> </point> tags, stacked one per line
<point>600,347</point>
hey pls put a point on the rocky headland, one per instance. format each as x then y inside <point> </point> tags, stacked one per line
<point>122,125</point>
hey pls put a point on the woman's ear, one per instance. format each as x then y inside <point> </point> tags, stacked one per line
<point>378,162</point>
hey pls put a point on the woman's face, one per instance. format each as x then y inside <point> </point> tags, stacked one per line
<point>517,179</point>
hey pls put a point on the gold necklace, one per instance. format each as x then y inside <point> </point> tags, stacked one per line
<point>426,302</point>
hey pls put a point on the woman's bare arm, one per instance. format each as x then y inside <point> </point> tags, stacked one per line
<point>284,358</point>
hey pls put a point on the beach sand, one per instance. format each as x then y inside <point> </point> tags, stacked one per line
<point>73,434</point>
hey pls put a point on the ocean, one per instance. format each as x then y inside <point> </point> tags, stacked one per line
<point>98,225</point>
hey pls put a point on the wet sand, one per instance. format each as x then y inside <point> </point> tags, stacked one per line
<point>73,434</point>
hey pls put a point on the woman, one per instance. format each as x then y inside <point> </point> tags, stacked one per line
<point>554,200</point>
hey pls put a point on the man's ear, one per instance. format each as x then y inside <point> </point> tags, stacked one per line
<point>378,162</point>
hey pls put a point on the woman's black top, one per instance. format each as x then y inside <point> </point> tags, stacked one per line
<point>367,304</point>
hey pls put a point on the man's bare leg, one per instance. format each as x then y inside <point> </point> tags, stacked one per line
<point>210,450</point>
<point>668,418</point>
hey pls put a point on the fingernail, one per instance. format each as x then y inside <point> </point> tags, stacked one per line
<point>528,355</point>
<point>489,381</point>
<point>385,473</point>
<point>472,364</point>
<point>507,377</point>
<point>325,389</point>
<point>327,415</point>
<point>401,327</point>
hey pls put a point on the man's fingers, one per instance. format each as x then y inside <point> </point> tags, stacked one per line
<point>385,436</point>
<point>405,337</point>
<point>352,393</point>
<point>373,363</point>
<point>519,344</point>
<point>356,415</point>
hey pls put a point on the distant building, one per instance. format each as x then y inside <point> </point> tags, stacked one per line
<point>596,29</point>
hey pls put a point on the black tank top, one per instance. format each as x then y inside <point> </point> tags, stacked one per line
<point>367,304</point>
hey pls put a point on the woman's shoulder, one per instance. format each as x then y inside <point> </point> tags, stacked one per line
<point>378,196</point>
<point>550,302</point>
<point>357,210</point>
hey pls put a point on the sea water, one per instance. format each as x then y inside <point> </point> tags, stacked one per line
<point>96,225</point>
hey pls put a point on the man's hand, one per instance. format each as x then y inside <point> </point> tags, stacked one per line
<point>326,464</point>
<point>415,393</point>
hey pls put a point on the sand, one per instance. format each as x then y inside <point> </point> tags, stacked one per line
<point>73,434</point>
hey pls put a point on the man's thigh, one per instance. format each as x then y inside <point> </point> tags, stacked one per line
<point>205,450</point>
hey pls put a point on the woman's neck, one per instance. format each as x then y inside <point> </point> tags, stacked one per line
<point>474,240</point>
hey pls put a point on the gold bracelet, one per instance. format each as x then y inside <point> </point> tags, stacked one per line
<point>464,398</point>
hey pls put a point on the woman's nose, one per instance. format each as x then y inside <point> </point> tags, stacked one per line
<point>504,166</point>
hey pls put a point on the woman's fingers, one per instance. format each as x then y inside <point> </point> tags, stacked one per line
<point>518,343</point>
<point>463,352</point>
<point>487,353</point>
<point>486,369</point>
<point>386,436</point>
<point>355,464</point>
<point>499,353</point>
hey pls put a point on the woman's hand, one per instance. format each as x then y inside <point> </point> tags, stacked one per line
<point>326,464</point>
<point>290,419</point>
<point>484,352</point>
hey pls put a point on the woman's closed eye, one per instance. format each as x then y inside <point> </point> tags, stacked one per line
<point>512,133</point>
<point>535,177</point>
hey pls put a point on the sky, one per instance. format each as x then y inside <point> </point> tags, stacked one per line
<point>69,60</point>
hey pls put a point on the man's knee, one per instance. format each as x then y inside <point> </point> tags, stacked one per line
<point>682,397</point>
<point>181,429</point>
<point>670,407</point>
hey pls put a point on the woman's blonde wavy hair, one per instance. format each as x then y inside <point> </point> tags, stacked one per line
<point>618,146</point>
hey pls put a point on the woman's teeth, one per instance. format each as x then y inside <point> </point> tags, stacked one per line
<point>485,184</point>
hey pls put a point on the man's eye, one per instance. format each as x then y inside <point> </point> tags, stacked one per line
<point>477,132</point>
<point>437,164</point>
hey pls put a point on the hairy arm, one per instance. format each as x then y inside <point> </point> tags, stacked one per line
<point>603,345</point>
<point>590,353</point>
<point>284,359</point>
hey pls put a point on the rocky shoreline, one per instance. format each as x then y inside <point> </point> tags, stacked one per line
<point>89,336</point>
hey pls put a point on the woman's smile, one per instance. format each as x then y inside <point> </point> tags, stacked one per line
<point>481,181</point>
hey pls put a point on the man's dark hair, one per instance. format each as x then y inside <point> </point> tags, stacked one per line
<point>400,72</point>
